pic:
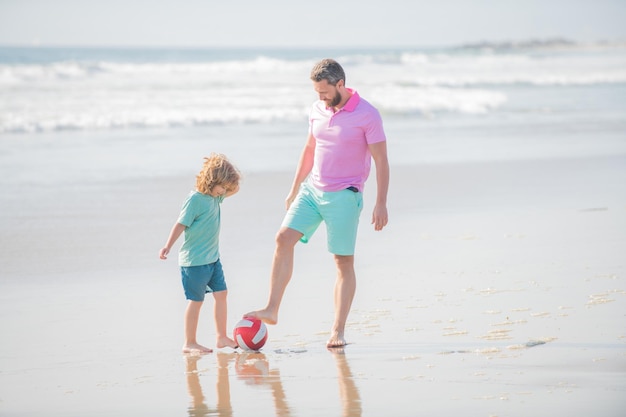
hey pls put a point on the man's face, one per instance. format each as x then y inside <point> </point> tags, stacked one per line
<point>328,93</point>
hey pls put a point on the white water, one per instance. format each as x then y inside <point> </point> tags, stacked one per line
<point>116,90</point>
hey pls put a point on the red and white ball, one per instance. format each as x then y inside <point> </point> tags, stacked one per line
<point>250,333</point>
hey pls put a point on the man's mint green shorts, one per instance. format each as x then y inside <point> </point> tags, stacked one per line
<point>340,210</point>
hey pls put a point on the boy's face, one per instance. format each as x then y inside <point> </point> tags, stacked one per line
<point>218,190</point>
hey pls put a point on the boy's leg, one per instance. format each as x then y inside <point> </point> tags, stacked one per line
<point>345,287</point>
<point>220,314</point>
<point>282,268</point>
<point>192,315</point>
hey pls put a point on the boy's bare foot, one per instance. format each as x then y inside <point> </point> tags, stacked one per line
<point>336,340</point>
<point>196,348</point>
<point>264,315</point>
<point>225,341</point>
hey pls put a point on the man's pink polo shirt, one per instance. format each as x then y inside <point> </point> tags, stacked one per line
<point>342,156</point>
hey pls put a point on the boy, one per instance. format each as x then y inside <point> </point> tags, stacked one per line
<point>198,258</point>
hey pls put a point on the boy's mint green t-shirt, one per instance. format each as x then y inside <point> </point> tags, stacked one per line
<point>201,214</point>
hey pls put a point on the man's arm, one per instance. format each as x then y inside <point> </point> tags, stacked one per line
<point>379,154</point>
<point>305,165</point>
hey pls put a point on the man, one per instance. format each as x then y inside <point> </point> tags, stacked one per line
<point>345,134</point>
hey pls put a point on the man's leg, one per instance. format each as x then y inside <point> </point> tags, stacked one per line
<point>345,287</point>
<point>282,268</point>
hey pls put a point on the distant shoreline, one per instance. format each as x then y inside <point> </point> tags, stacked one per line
<point>503,44</point>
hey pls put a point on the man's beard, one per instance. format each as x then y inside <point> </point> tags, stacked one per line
<point>336,100</point>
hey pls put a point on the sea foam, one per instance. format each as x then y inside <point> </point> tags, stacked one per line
<point>97,92</point>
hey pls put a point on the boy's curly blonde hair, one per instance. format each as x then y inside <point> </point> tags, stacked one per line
<point>217,170</point>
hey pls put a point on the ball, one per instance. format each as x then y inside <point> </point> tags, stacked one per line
<point>250,333</point>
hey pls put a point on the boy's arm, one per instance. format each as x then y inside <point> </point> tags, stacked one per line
<point>177,230</point>
<point>232,192</point>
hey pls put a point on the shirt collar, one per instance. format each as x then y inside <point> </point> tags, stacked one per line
<point>351,104</point>
<point>353,101</point>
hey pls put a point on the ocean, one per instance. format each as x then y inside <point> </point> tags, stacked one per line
<point>119,113</point>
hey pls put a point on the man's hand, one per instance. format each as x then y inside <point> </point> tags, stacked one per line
<point>379,217</point>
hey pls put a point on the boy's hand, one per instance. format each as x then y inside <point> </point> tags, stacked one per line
<point>163,253</point>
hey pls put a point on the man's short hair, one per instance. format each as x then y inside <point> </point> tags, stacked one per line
<point>329,70</point>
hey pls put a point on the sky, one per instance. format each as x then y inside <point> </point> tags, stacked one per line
<point>294,23</point>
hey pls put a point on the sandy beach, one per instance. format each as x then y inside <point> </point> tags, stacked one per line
<point>498,289</point>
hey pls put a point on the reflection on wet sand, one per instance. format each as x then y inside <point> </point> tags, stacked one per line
<point>348,391</point>
<point>254,369</point>
<point>198,405</point>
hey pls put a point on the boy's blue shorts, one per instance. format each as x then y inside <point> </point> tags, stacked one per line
<point>340,210</point>
<point>202,279</point>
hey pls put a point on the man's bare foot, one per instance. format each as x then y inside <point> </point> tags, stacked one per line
<point>196,348</point>
<point>264,315</point>
<point>336,350</point>
<point>336,340</point>
<point>225,341</point>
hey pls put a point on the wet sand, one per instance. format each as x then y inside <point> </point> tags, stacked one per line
<point>498,289</point>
